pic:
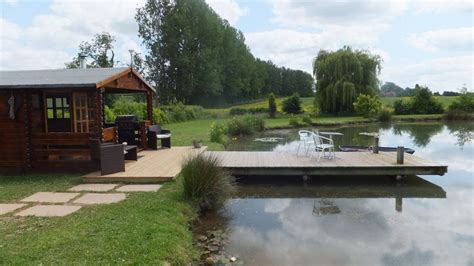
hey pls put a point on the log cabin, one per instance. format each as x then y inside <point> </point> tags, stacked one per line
<point>48,117</point>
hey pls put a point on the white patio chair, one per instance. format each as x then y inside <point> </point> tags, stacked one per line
<point>320,146</point>
<point>306,139</point>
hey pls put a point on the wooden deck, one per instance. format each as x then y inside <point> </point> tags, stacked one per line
<point>345,163</point>
<point>152,166</point>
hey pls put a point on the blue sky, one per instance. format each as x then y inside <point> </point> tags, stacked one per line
<point>424,42</point>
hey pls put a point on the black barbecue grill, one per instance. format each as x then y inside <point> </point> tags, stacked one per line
<point>127,125</point>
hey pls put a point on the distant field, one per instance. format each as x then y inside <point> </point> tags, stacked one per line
<point>445,100</point>
<point>308,103</point>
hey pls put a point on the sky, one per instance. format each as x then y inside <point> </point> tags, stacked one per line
<point>429,43</point>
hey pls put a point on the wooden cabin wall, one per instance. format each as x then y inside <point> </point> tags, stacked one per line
<point>12,133</point>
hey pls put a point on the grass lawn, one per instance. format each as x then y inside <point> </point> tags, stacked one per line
<point>146,228</point>
<point>307,104</point>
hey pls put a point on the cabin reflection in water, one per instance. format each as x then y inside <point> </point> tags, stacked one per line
<point>325,189</point>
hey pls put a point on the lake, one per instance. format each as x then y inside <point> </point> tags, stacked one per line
<point>426,220</point>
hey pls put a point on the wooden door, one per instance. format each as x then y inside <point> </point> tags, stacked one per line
<point>81,112</point>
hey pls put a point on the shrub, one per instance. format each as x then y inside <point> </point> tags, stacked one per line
<point>272,107</point>
<point>294,122</point>
<point>424,103</point>
<point>307,120</point>
<point>238,111</point>
<point>109,114</point>
<point>402,107</point>
<point>247,125</point>
<point>160,117</point>
<point>217,133</point>
<point>368,106</point>
<point>257,110</point>
<point>205,183</point>
<point>124,106</point>
<point>292,104</point>
<point>385,115</point>
<point>464,103</point>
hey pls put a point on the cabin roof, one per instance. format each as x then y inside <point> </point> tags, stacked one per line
<point>63,78</point>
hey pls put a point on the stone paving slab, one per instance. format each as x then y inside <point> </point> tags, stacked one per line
<point>9,207</point>
<point>50,197</point>
<point>94,187</point>
<point>49,210</point>
<point>138,188</point>
<point>100,198</point>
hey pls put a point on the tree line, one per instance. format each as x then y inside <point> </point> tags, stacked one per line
<point>196,57</point>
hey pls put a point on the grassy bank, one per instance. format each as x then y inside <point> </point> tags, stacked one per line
<point>307,104</point>
<point>146,228</point>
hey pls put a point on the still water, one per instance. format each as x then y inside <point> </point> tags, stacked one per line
<point>358,220</point>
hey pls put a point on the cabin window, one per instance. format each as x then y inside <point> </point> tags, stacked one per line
<point>58,108</point>
<point>58,112</point>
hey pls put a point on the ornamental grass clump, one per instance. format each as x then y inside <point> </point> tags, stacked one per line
<point>205,183</point>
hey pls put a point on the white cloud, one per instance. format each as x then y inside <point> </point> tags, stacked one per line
<point>455,39</point>
<point>438,6</point>
<point>297,49</point>
<point>228,9</point>
<point>52,39</point>
<point>320,13</point>
<point>447,73</point>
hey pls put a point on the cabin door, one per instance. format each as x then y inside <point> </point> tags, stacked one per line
<point>58,112</point>
<point>81,112</point>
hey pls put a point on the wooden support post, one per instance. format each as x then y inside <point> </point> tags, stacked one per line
<point>376,145</point>
<point>27,128</point>
<point>400,154</point>
<point>100,114</point>
<point>149,107</point>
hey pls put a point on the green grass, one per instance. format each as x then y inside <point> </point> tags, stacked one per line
<point>183,133</point>
<point>146,228</point>
<point>445,100</point>
<point>307,104</point>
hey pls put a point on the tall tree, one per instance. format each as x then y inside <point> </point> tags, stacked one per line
<point>100,49</point>
<point>342,75</point>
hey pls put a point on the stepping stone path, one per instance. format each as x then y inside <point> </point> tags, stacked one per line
<point>100,198</point>
<point>138,188</point>
<point>74,200</point>
<point>50,197</point>
<point>94,187</point>
<point>49,210</point>
<point>9,207</point>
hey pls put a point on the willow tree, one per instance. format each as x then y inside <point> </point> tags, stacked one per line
<point>342,76</point>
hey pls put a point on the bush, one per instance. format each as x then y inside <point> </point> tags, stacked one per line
<point>424,103</point>
<point>247,125</point>
<point>125,106</point>
<point>205,183</point>
<point>294,122</point>
<point>258,110</point>
<point>272,107</point>
<point>402,107</point>
<point>160,117</point>
<point>464,103</point>
<point>109,114</point>
<point>292,104</point>
<point>238,111</point>
<point>385,115</point>
<point>217,133</point>
<point>368,106</point>
<point>307,120</point>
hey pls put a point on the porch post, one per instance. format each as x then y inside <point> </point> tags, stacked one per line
<point>100,114</point>
<point>149,106</point>
<point>27,127</point>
